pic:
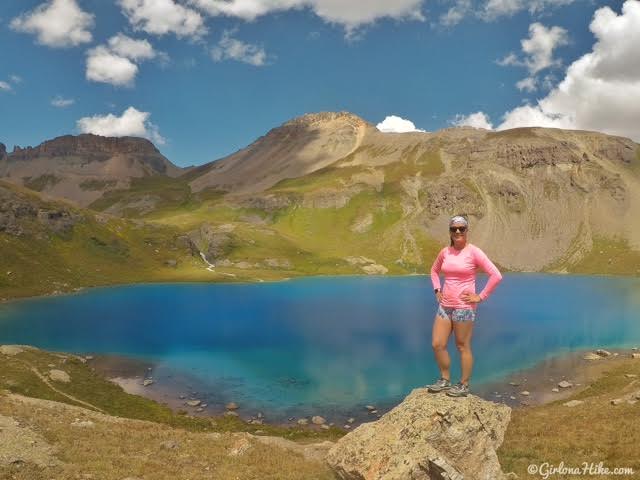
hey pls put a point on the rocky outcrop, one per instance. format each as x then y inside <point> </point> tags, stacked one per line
<point>270,202</point>
<point>18,213</point>
<point>213,241</point>
<point>453,195</point>
<point>426,437</point>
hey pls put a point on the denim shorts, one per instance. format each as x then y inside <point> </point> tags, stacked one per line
<point>457,314</point>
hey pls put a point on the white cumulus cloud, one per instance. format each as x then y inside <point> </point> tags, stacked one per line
<point>116,62</point>
<point>350,14</point>
<point>229,48</point>
<point>57,23</point>
<point>128,47</point>
<point>600,89</point>
<point>160,17</point>
<point>132,122</point>
<point>61,102</point>
<point>475,120</point>
<point>107,67</point>
<point>5,86</point>
<point>395,124</point>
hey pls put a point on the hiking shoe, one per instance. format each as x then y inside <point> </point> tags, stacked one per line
<point>439,386</point>
<point>458,390</point>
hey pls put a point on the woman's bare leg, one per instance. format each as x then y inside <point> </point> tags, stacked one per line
<point>463,332</point>
<point>439,340</point>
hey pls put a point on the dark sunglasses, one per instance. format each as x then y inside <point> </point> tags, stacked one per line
<point>455,229</point>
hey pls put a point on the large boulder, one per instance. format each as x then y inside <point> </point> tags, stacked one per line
<point>427,437</point>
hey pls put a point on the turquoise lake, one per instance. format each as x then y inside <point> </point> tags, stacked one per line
<point>327,344</point>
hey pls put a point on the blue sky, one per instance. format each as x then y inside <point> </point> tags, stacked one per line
<point>207,77</point>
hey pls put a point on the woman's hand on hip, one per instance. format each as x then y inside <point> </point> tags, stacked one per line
<point>470,297</point>
<point>439,297</point>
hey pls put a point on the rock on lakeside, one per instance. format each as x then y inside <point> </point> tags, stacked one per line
<point>427,437</point>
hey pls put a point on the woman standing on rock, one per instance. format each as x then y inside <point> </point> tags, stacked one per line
<point>457,303</point>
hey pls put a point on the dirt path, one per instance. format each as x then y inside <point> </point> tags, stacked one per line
<point>59,392</point>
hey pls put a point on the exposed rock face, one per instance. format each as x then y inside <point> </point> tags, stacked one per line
<point>451,196</point>
<point>81,168</point>
<point>427,437</point>
<point>213,241</point>
<point>269,202</point>
<point>17,212</point>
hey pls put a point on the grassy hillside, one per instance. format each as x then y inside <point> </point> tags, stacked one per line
<point>113,443</point>
<point>89,426</point>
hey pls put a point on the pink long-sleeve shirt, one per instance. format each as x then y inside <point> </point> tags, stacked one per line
<point>459,268</point>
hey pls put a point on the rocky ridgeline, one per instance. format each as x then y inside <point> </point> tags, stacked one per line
<point>81,168</point>
<point>86,145</point>
<point>426,437</point>
<point>322,118</point>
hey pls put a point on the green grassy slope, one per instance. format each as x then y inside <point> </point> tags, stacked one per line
<point>19,374</point>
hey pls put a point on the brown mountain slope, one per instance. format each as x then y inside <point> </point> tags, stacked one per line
<point>81,168</point>
<point>538,198</point>
<point>294,149</point>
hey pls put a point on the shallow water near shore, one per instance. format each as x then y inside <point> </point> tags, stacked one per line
<point>326,345</point>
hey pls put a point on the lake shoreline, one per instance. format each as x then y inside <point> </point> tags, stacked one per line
<point>533,386</point>
<point>6,300</point>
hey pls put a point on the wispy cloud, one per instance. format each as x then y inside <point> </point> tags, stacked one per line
<point>494,9</point>
<point>456,13</point>
<point>538,51</point>
<point>229,48</point>
<point>8,86</point>
<point>61,102</point>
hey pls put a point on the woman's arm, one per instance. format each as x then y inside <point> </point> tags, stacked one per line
<point>435,269</point>
<point>487,265</point>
